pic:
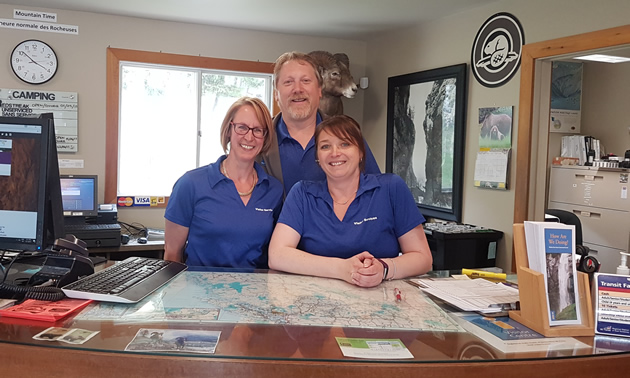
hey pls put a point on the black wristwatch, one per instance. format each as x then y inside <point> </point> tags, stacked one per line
<point>385,269</point>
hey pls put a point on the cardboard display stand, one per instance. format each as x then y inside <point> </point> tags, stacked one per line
<point>533,297</point>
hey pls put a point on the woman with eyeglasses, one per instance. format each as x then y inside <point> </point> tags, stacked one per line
<point>357,227</point>
<point>222,214</point>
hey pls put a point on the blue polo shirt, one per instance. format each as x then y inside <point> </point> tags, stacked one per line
<point>382,211</point>
<point>299,163</point>
<point>223,232</point>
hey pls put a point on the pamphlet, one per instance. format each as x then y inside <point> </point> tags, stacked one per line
<point>503,327</point>
<point>373,348</point>
<point>472,295</point>
<point>610,344</point>
<point>509,336</point>
<point>551,251</point>
<point>174,340</point>
<point>612,304</point>
<point>45,310</point>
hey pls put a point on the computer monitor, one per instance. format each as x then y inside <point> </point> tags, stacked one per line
<point>79,195</point>
<point>31,216</point>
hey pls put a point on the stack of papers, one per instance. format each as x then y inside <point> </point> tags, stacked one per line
<point>472,295</point>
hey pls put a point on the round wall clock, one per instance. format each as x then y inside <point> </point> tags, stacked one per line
<point>34,62</point>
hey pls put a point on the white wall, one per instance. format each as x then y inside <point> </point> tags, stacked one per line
<point>82,69</point>
<point>605,96</point>
<point>605,93</point>
<point>449,41</point>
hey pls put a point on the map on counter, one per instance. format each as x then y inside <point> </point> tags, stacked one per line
<point>281,299</point>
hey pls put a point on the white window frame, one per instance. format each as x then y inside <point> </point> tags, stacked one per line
<point>116,57</point>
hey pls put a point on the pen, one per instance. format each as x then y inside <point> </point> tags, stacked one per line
<point>484,274</point>
<point>398,295</point>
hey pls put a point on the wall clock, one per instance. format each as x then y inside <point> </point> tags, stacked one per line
<point>34,62</point>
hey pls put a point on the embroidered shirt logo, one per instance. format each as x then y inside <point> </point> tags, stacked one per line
<point>365,220</point>
<point>259,209</point>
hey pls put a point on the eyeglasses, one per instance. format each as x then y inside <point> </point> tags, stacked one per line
<point>242,129</point>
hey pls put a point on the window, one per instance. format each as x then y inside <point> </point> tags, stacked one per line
<point>164,112</point>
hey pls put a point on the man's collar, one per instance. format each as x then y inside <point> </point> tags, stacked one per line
<point>282,131</point>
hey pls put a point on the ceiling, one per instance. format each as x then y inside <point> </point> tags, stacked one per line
<point>348,19</point>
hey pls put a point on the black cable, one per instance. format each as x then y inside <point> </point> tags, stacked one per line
<point>11,291</point>
<point>135,229</point>
<point>24,292</point>
<point>8,268</point>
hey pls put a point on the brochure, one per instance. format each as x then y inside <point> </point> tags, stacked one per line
<point>612,304</point>
<point>45,310</point>
<point>509,336</point>
<point>472,295</point>
<point>373,348</point>
<point>551,251</point>
<point>503,327</point>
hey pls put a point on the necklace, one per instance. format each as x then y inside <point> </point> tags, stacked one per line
<point>225,172</point>
<point>342,203</point>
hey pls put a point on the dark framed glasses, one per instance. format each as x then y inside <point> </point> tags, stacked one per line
<point>242,129</point>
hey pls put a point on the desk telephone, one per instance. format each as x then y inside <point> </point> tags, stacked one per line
<point>64,262</point>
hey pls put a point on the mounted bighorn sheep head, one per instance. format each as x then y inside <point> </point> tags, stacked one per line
<point>335,71</point>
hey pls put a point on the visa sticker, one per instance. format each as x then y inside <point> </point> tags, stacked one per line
<point>142,201</point>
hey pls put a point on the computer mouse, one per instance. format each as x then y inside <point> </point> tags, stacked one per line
<point>142,240</point>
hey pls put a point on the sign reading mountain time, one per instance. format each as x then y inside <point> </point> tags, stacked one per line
<point>496,52</point>
<point>31,103</point>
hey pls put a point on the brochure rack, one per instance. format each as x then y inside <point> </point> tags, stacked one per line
<point>533,297</point>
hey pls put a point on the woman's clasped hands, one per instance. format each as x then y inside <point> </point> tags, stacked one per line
<point>365,270</point>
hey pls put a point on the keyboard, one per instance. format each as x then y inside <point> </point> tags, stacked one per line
<point>91,227</point>
<point>127,281</point>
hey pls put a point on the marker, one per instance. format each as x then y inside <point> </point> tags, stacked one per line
<point>398,295</point>
<point>483,274</point>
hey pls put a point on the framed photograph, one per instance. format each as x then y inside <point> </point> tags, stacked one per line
<point>426,114</point>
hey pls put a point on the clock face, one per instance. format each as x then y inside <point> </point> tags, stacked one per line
<point>34,61</point>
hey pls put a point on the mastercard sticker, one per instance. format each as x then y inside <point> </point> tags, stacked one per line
<point>125,201</point>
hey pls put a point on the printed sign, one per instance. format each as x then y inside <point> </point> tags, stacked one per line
<point>38,26</point>
<point>31,103</point>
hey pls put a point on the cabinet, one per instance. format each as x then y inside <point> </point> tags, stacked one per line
<point>599,197</point>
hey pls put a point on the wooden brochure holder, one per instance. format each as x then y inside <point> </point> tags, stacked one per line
<point>533,297</point>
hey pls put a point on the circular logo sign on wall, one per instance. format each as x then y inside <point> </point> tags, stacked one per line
<point>496,52</point>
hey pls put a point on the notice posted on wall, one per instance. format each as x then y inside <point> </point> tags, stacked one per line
<point>32,103</point>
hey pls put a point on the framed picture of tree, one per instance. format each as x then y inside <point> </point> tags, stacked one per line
<point>426,114</point>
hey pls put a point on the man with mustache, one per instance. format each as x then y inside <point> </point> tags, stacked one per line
<point>298,90</point>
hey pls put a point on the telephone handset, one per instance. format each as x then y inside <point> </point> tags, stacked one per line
<point>71,246</point>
